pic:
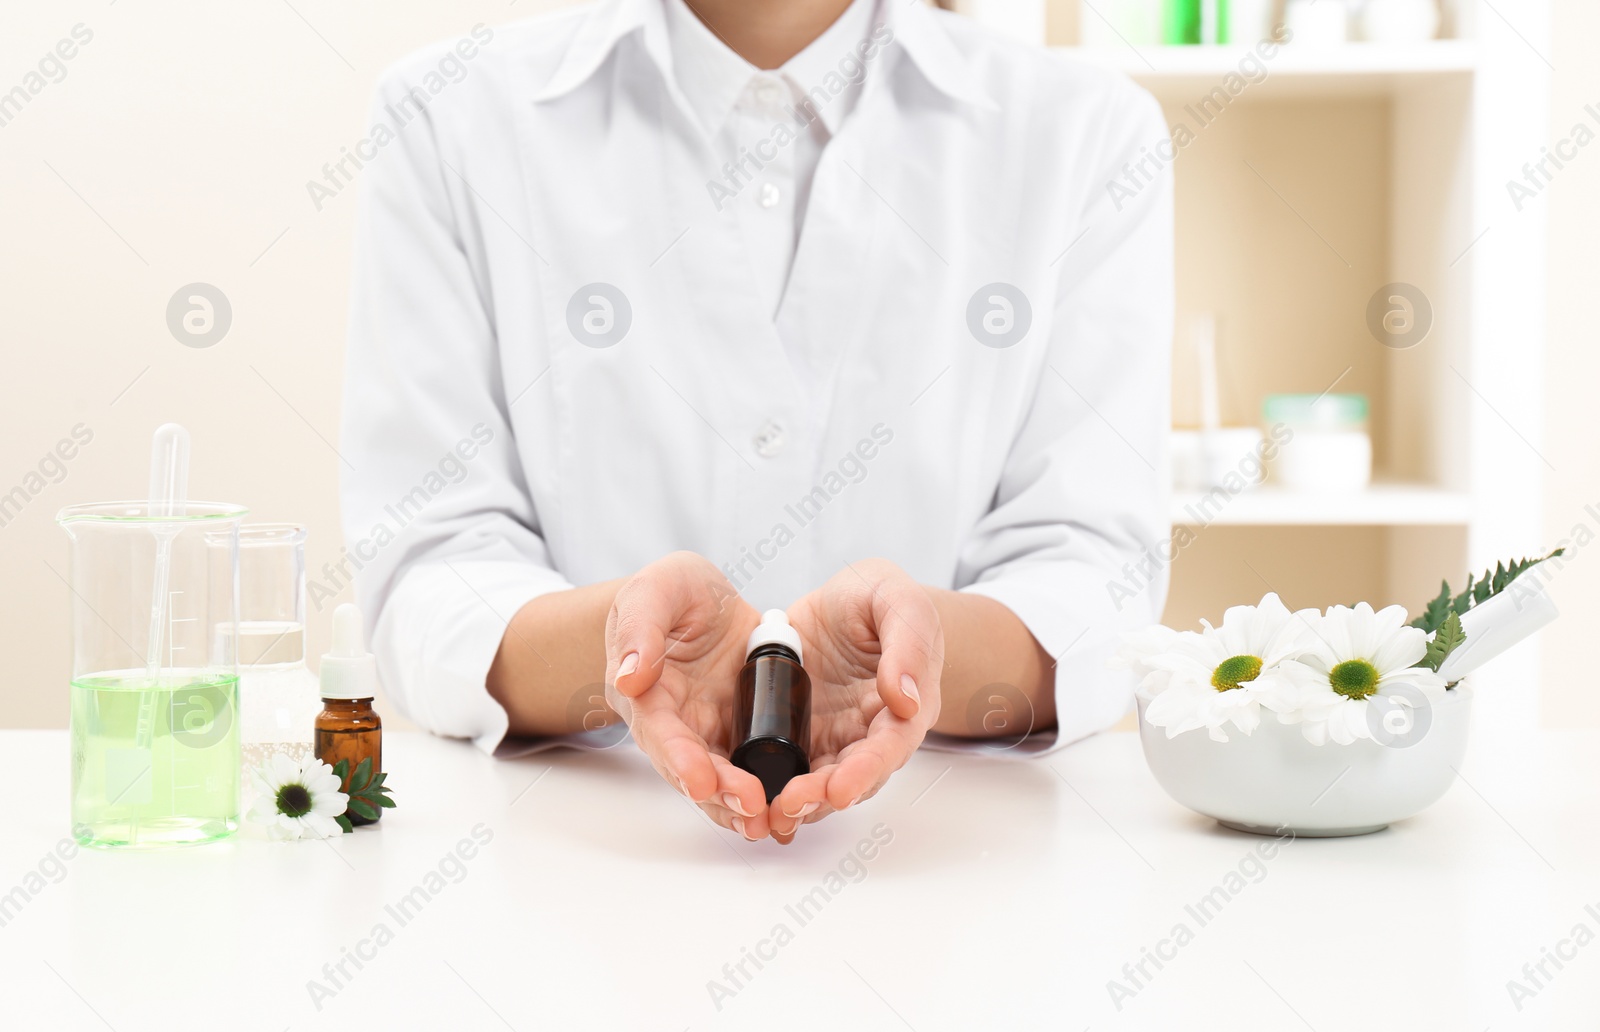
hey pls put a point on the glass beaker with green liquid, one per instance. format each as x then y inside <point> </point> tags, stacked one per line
<point>155,688</point>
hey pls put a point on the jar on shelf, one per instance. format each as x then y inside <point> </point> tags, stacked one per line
<point>1317,23</point>
<point>1399,21</point>
<point>1325,445</point>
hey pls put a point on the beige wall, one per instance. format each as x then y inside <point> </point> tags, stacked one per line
<point>189,129</point>
<point>1571,433</point>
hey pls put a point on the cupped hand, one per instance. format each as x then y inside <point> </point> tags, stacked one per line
<point>873,650</point>
<point>675,641</point>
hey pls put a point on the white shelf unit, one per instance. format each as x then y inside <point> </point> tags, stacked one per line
<point>1352,68</point>
<point>1338,171</point>
<point>1382,505</point>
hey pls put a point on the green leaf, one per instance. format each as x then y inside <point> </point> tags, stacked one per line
<point>1445,641</point>
<point>1478,590</point>
<point>1463,602</point>
<point>344,822</point>
<point>363,775</point>
<point>1433,616</point>
<point>1521,566</point>
<point>385,802</point>
<point>341,770</point>
<point>362,808</point>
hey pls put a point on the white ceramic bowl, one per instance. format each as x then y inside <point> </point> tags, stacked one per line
<point>1274,781</point>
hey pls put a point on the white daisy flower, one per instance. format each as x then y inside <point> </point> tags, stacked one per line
<point>1137,649</point>
<point>1224,675</point>
<point>298,800</point>
<point>1360,656</point>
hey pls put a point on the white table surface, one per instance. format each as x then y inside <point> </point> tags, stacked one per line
<point>1009,895</point>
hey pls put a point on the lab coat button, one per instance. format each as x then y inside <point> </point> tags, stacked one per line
<point>768,93</point>
<point>769,194</point>
<point>769,440</point>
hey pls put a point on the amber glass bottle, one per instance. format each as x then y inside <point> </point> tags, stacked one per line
<point>348,728</point>
<point>772,709</point>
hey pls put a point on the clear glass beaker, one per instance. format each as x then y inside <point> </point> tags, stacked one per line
<point>155,730</point>
<point>278,696</point>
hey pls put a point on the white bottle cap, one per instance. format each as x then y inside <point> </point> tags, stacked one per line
<point>774,629</point>
<point>349,671</point>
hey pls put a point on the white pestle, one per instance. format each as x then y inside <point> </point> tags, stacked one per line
<point>1521,609</point>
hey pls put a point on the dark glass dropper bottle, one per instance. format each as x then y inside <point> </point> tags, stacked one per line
<point>348,728</point>
<point>772,710</point>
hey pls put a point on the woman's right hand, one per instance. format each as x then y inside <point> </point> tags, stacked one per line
<point>675,642</point>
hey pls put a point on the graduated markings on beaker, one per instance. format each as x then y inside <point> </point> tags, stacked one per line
<point>173,648</point>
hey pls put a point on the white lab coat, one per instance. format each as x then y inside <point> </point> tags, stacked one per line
<point>505,439</point>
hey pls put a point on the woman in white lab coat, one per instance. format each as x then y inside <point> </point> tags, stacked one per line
<point>664,316</point>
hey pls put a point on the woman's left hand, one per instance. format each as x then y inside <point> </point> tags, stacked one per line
<point>874,650</point>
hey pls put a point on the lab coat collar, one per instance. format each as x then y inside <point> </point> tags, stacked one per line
<point>822,57</point>
<point>707,70</point>
<point>604,26</point>
<point>916,28</point>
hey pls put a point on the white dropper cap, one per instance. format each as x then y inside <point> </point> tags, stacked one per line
<point>349,671</point>
<point>774,629</point>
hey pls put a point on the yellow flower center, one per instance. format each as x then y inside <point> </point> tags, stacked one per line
<point>1233,672</point>
<point>1354,678</point>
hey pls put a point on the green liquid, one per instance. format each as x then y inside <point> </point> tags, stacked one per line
<point>155,760</point>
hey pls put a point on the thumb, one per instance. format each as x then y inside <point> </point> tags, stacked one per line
<point>636,634</point>
<point>912,645</point>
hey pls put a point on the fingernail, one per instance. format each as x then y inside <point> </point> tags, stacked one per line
<point>858,799</point>
<point>732,802</point>
<point>805,810</point>
<point>738,825</point>
<point>909,687</point>
<point>683,786</point>
<point>630,663</point>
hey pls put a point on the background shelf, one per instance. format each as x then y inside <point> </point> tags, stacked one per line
<point>1353,68</point>
<point>1382,505</point>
